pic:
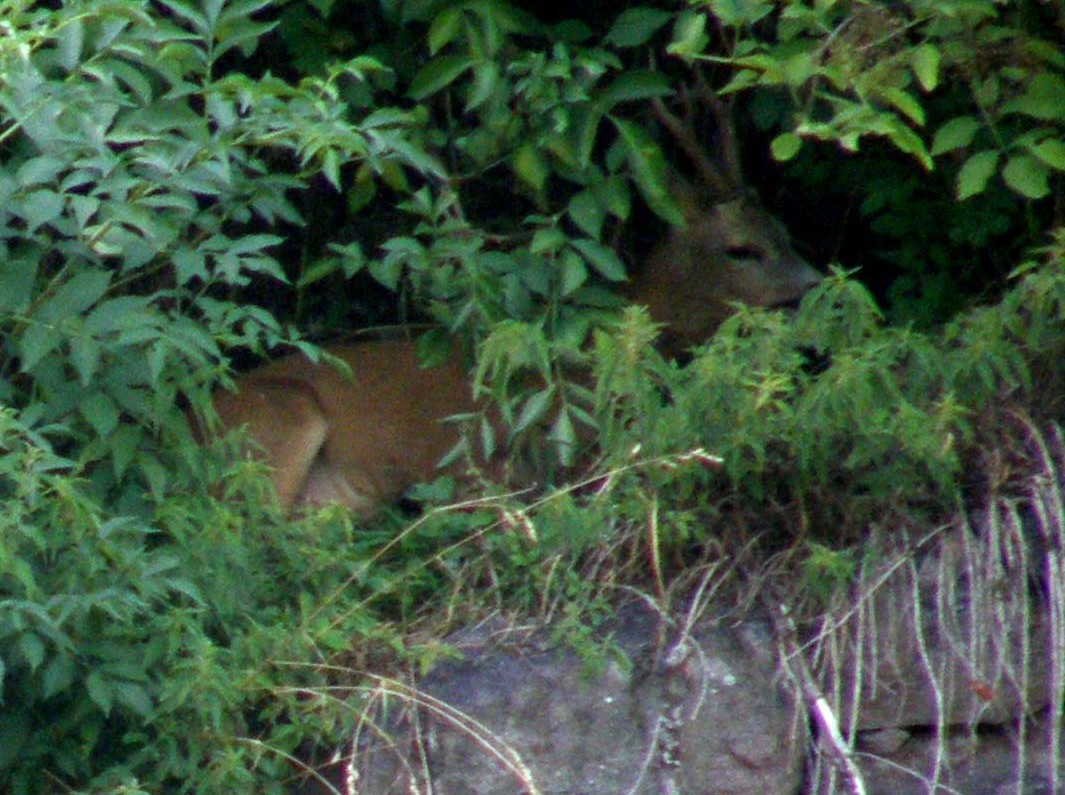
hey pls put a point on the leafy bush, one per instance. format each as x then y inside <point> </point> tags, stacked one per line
<point>157,162</point>
<point>141,182</point>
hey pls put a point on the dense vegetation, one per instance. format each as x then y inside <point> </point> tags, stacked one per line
<point>189,185</point>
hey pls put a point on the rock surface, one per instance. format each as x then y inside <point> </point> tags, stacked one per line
<point>696,712</point>
<point>946,672</point>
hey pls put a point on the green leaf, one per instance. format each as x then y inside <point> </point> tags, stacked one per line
<point>434,347</point>
<point>574,273</point>
<point>85,356</point>
<point>909,142</point>
<point>70,39</point>
<point>189,264</point>
<point>134,697</point>
<point>17,280</point>
<point>58,674</point>
<point>39,170</point>
<point>1051,152</point>
<point>904,102</point>
<point>39,207</point>
<point>603,258</point>
<point>75,296</point>
<point>445,28</point>
<point>689,35</point>
<point>439,73</point>
<point>1027,176</point>
<point>1044,98</point>
<point>587,213</point>
<point>740,13</point>
<point>635,86</point>
<point>100,691</point>
<point>975,172</point>
<point>531,167</point>
<point>248,244</point>
<point>636,26</point>
<point>486,84</point>
<point>37,342</point>
<point>564,436</point>
<point>926,66</point>
<point>101,412</point>
<point>650,171</point>
<point>32,649</point>
<point>785,146</point>
<point>957,133</point>
<point>534,409</point>
<point>114,314</point>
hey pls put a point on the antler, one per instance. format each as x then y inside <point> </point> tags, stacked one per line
<point>721,181</point>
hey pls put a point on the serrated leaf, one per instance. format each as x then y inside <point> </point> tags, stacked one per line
<point>1027,176</point>
<point>189,264</point>
<point>957,133</point>
<point>534,409</point>
<point>908,141</point>
<point>926,66</point>
<point>38,341</point>
<point>434,347</point>
<point>739,13</point>
<point>39,170</point>
<point>155,473</point>
<point>113,314</point>
<point>565,438</point>
<point>70,38</point>
<point>101,412</point>
<point>123,445</point>
<point>975,172</point>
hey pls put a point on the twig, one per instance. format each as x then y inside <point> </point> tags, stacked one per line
<point>822,714</point>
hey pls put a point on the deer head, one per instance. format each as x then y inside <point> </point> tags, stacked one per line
<point>730,249</point>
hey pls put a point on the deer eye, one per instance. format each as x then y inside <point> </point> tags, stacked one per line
<point>743,253</point>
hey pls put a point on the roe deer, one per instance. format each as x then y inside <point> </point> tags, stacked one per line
<point>363,440</point>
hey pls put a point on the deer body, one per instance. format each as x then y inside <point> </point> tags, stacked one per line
<point>362,441</point>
